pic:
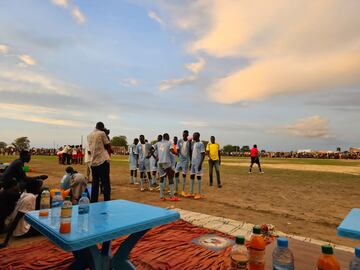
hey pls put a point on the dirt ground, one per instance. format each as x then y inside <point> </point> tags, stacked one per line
<point>307,200</point>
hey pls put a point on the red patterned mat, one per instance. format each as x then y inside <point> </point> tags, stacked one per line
<point>166,247</point>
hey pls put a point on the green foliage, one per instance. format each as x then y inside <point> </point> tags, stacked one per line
<point>231,148</point>
<point>22,143</point>
<point>245,148</point>
<point>3,145</point>
<point>120,140</point>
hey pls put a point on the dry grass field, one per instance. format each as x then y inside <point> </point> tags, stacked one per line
<point>302,197</point>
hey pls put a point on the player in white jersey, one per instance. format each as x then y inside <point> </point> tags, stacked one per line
<point>163,154</point>
<point>132,161</point>
<point>143,156</point>
<point>197,159</point>
<point>184,153</point>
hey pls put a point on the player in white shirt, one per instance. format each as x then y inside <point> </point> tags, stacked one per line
<point>132,161</point>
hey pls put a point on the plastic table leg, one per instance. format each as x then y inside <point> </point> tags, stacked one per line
<point>101,260</point>
<point>121,260</point>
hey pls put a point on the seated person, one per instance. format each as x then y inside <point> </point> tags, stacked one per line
<point>15,223</point>
<point>9,196</point>
<point>15,170</point>
<point>78,186</point>
<point>65,181</point>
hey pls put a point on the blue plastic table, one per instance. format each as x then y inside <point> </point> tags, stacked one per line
<point>350,227</point>
<point>107,221</point>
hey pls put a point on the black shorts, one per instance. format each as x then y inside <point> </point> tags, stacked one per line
<point>255,160</point>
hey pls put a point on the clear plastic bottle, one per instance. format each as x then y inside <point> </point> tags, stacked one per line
<point>83,213</point>
<point>56,204</point>
<point>355,263</point>
<point>44,203</point>
<point>283,259</point>
<point>66,213</point>
<point>257,250</point>
<point>239,255</point>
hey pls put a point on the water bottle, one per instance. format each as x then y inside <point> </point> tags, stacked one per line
<point>355,263</point>
<point>239,254</point>
<point>283,259</point>
<point>83,214</point>
<point>66,213</point>
<point>44,203</point>
<point>56,204</point>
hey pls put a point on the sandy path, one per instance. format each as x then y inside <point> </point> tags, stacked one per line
<point>354,170</point>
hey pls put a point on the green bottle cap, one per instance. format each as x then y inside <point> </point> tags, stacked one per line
<point>240,239</point>
<point>327,249</point>
<point>67,198</point>
<point>257,229</point>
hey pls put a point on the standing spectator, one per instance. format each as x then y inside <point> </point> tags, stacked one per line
<point>100,161</point>
<point>254,156</point>
<point>87,160</point>
<point>213,152</point>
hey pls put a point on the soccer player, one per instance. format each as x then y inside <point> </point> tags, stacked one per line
<point>184,152</point>
<point>254,155</point>
<point>173,157</point>
<point>143,156</point>
<point>132,161</point>
<point>197,159</point>
<point>213,151</point>
<point>164,150</point>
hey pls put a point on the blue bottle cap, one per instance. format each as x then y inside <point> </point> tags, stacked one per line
<point>282,242</point>
<point>57,193</point>
<point>357,251</point>
<point>84,194</point>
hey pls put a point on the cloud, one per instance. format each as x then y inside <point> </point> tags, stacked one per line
<point>196,67</point>
<point>290,46</point>
<point>155,17</point>
<point>27,59</point>
<point>74,10</point>
<point>310,127</point>
<point>168,84</point>
<point>78,15</point>
<point>194,124</point>
<point>4,49</point>
<point>37,114</point>
<point>61,3</point>
<point>129,82</point>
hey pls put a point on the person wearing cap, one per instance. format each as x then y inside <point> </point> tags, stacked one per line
<point>15,223</point>
<point>100,161</point>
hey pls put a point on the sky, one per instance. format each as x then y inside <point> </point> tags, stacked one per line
<point>282,74</point>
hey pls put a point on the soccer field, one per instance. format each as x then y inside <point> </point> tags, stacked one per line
<point>305,197</point>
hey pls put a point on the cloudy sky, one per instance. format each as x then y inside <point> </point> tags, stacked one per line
<point>282,74</point>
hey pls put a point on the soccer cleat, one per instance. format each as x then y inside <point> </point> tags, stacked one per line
<point>250,172</point>
<point>142,189</point>
<point>197,197</point>
<point>174,199</point>
<point>136,183</point>
<point>163,199</point>
<point>190,195</point>
<point>183,194</point>
<point>151,189</point>
<point>261,172</point>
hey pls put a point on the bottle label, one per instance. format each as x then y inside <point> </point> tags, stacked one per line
<point>257,257</point>
<point>66,212</point>
<point>239,262</point>
<point>56,204</point>
<point>83,209</point>
<point>45,202</point>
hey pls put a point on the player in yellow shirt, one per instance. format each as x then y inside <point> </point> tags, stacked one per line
<point>213,152</point>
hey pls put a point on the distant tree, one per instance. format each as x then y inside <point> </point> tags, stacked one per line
<point>245,148</point>
<point>3,145</point>
<point>205,143</point>
<point>22,143</point>
<point>228,148</point>
<point>119,141</point>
